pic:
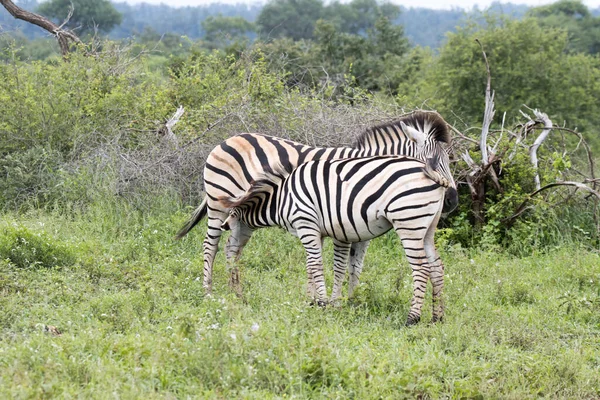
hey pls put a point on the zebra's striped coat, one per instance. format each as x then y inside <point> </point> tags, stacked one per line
<point>352,200</point>
<point>232,167</point>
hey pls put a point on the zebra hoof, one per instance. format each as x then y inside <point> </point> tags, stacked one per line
<point>436,319</point>
<point>412,321</point>
<point>320,303</point>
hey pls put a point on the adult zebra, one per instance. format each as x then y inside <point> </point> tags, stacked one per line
<point>353,200</point>
<point>232,166</point>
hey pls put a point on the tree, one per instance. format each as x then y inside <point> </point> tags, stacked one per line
<point>576,19</point>
<point>529,65</point>
<point>88,15</point>
<point>370,58</point>
<point>358,16</point>
<point>290,18</point>
<point>222,29</point>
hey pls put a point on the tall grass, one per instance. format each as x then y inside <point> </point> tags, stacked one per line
<point>134,320</point>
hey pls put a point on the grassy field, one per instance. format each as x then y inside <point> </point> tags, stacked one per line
<point>133,321</point>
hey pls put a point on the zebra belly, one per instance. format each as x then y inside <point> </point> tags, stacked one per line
<point>360,230</point>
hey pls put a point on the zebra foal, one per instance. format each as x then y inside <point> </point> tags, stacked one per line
<point>240,160</point>
<point>354,200</point>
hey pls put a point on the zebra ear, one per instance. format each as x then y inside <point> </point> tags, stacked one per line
<point>413,134</point>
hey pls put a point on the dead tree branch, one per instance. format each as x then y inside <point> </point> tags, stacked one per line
<point>171,123</point>
<point>543,118</point>
<point>64,36</point>
<point>522,208</point>
<point>489,112</point>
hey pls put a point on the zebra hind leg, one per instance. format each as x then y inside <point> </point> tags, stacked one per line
<point>355,266</point>
<point>341,252</point>
<point>436,274</point>
<point>417,258</point>
<point>211,245</point>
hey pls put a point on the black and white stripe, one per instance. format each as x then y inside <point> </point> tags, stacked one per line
<point>351,201</point>
<point>235,164</point>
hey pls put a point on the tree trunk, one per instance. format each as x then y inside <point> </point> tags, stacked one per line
<point>477,188</point>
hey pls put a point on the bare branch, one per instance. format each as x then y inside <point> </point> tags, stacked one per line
<point>587,149</point>
<point>469,160</point>
<point>489,112</point>
<point>461,135</point>
<point>62,35</point>
<point>523,207</point>
<point>540,117</point>
<point>171,123</point>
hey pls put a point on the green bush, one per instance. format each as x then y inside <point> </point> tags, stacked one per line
<point>24,248</point>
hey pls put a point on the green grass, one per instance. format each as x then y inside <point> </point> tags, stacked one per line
<point>135,323</point>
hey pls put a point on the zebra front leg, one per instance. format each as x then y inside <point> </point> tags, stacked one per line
<point>240,234</point>
<point>417,258</point>
<point>355,266</point>
<point>211,245</point>
<point>311,240</point>
<point>341,252</point>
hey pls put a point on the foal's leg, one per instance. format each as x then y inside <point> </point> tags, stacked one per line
<point>341,251</point>
<point>240,234</point>
<point>311,289</point>
<point>355,266</point>
<point>311,240</point>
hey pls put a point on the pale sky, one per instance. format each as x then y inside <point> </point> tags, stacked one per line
<point>438,4</point>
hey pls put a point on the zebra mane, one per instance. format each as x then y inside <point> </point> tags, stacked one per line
<point>429,122</point>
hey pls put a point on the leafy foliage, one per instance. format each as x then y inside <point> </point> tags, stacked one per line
<point>101,120</point>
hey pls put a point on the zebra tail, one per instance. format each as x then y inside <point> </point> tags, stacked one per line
<point>199,213</point>
<point>263,183</point>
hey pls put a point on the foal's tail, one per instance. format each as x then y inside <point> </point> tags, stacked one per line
<point>199,213</point>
